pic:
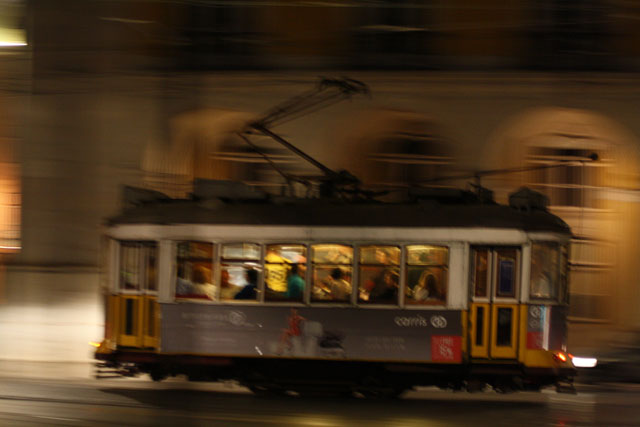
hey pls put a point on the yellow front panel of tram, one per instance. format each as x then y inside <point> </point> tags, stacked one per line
<point>136,319</point>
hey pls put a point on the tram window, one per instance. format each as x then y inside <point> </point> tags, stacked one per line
<point>195,271</point>
<point>149,253</point>
<point>480,272</point>
<point>507,270</point>
<point>332,272</point>
<point>285,269</point>
<point>241,251</point>
<point>545,269</point>
<point>130,266</point>
<point>138,266</point>
<point>236,281</point>
<point>427,274</point>
<point>379,274</point>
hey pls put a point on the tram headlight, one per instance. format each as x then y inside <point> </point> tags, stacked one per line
<point>584,362</point>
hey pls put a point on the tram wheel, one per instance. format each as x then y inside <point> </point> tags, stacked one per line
<point>158,374</point>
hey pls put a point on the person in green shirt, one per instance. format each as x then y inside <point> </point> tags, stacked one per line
<point>295,284</point>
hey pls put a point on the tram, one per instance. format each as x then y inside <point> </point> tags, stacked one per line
<point>446,288</point>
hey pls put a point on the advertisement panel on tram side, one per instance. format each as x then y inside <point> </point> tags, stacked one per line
<point>312,332</point>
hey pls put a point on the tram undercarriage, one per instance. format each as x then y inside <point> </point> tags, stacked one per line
<point>310,377</point>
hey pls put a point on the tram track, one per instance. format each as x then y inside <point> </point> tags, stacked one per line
<point>93,402</point>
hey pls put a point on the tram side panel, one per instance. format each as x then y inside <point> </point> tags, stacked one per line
<point>312,332</point>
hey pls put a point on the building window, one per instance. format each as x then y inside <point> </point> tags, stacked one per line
<point>591,277</point>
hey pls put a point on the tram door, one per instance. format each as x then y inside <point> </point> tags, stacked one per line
<point>494,304</point>
<point>135,307</point>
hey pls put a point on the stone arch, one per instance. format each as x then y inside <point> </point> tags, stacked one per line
<point>598,199</point>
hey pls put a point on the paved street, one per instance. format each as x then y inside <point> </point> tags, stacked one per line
<point>37,397</point>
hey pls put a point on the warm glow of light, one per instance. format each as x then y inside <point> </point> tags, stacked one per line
<point>94,344</point>
<point>560,356</point>
<point>11,37</point>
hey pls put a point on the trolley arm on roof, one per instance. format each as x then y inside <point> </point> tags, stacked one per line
<point>479,174</point>
<point>319,97</point>
<point>333,177</point>
<point>327,92</point>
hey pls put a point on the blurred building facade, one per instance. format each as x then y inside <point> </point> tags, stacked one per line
<point>148,93</point>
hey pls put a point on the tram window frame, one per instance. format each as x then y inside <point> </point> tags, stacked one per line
<point>251,260</point>
<point>329,268</point>
<point>487,271</point>
<point>209,293</point>
<point>538,249</point>
<point>141,251</point>
<point>427,268</point>
<point>376,271</point>
<point>498,272</point>
<point>284,265</point>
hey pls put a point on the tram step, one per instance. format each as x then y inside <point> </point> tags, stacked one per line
<point>109,370</point>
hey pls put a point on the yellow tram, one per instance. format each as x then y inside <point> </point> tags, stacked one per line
<point>447,289</point>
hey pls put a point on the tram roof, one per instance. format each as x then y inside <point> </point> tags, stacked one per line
<point>321,212</point>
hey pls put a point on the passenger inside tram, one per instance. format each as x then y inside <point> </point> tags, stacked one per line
<point>202,285</point>
<point>426,288</point>
<point>387,292</point>
<point>334,287</point>
<point>228,290</point>
<point>250,290</point>
<point>183,285</point>
<point>295,283</point>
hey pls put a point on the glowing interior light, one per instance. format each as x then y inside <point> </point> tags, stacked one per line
<point>584,362</point>
<point>94,344</point>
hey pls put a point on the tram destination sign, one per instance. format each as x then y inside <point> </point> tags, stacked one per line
<point>314,332</point>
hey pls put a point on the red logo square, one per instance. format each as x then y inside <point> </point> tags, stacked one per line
<point>446,348</point>
<point>534,340</point>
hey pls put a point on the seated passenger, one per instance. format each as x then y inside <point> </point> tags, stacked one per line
<point>183,285</point>
<point>427,288</point>
<point>388,293</point>
<point>250,290</point>
<point>339,289</point>
<point>202,286</point>
<point>227,289</point>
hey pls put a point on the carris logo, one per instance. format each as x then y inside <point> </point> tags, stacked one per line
<point>237,318</point>
<point>438,322</point>
<point>407,322</point>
